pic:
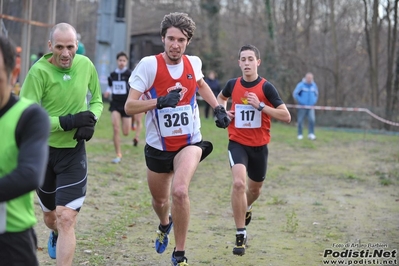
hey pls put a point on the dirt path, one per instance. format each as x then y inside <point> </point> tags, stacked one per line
<point>316,197</point>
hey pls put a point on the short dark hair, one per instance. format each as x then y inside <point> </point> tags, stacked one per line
<point>7,48</point>
<point>251,48</point>
<point>178,20</point>
<point>121,54</point>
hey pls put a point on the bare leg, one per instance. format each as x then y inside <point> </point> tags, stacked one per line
<point>159,185</point>
<point>126,124</point>
<point>66,243</point>
<point>50,220</point>
<point>116,118</point>
<point>238,194</point>
<point>253,191</point>
<point>185,165</point>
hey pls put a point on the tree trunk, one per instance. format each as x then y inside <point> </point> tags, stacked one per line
<point>392,36</point>
<point>395,90</point>
<point>212,9</point>
<point>309,20</point>
<point>336,66</point>
<point>372,33</point>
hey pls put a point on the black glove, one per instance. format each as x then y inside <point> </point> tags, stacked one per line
<point>84,133</point>
<point>170,100</point>
<point>82,119</point>
<point>221,118</point>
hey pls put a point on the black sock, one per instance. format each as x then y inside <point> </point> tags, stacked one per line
<point>163,228</point>
<point>179,254</point>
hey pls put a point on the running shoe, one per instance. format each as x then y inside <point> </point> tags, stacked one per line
<point>179,261</point>
<point>52,245</point>
<point>248,216</point>
<point>162,240</point>
<point>135,142</point>
<point>116,160</point>
<point>239,249</point>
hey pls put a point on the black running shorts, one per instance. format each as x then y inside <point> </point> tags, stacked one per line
<point>254,159</point>
<point>162,161</point>
<point>66,178</point>
<point>120,108</point>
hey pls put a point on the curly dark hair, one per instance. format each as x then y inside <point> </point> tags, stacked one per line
<point>178,20</point>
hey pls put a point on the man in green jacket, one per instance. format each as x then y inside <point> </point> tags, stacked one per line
<point>24,131</point>
<point>61,81</point>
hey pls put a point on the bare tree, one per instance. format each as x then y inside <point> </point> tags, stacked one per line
<point>212,55</point>
<point>395,91</point>
<point>350,46</point>
<point>392,39</point>
<point>336,62</point>
<point>309,9</point>
<point>371,28</point>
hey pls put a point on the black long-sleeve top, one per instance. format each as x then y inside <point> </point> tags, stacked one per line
<point>31,137</point>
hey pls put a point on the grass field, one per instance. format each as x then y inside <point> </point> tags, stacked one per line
<point>338,192</point>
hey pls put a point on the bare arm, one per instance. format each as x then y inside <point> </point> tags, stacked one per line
<point>280,112</point>
<point>135,106</point>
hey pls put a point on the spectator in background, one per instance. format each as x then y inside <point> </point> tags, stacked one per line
<point>214,84</point>
<point>118,88</point>
<point>306,93</point>
<point>81,47</point>
<point>25,128</point>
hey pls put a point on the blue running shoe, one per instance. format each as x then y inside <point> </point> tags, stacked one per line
<point>162,240</point>
<point>52,245</point>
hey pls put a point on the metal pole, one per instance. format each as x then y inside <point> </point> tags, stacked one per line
<point>128,21</point>
<point>1,21</point>
<point>52,11</point>
<point>26,40</point>
<point>73,16</point>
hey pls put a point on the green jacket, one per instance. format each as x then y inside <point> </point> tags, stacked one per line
<point>64,91</point>
<point>16,215</point>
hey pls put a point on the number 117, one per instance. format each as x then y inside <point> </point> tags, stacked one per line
<point>247,115</point>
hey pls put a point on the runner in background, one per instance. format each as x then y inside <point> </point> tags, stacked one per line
<point>118,89</point>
